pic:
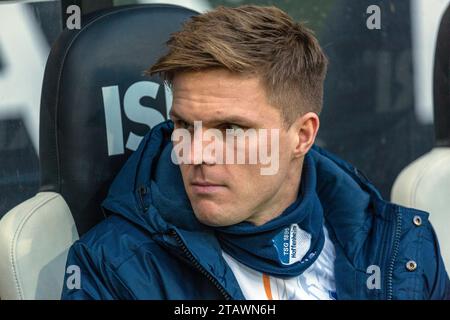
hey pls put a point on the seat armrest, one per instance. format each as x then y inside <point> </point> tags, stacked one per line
<point>35,238</point>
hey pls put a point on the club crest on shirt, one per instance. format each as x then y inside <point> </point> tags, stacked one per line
<point>292,243</point>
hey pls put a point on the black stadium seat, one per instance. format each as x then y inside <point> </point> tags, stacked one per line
<point>96,106</point>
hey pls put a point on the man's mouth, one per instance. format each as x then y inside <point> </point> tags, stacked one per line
<point>206,187</point>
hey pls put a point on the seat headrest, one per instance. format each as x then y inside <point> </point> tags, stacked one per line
<point>96,104</point>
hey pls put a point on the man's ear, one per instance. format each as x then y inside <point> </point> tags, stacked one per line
<point>305,130</point>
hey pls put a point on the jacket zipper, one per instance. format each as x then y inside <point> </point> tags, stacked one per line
<point>198,266</point>
<point>397,234</point>
<point>142,191</point>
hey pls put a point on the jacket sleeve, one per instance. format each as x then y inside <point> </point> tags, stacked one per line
<point>439,283</point>
<point>87,277</point>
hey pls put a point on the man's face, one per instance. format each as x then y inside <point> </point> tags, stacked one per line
<point>226,194</point>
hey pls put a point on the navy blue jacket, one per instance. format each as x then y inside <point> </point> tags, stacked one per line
<point>150,247</point>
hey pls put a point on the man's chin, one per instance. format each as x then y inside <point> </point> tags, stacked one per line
<point>212,215</point>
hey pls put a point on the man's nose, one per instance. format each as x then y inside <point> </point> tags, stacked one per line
<point>201,148</point>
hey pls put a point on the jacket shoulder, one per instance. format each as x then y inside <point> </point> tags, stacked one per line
<point>115,240</point>
<point>419,264</point>
<point>108,258</point>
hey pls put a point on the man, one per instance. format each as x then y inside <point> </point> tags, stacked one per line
<point>190,221</point>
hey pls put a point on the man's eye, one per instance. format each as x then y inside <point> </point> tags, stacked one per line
<point>233,126</point>
<point>182,124</point>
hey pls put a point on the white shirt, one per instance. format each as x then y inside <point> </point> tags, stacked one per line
<point>315,283</point>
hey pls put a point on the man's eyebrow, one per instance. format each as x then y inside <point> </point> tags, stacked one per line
<point>236,119</point>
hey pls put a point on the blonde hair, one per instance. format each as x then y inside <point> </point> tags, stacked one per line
<point>252,40</point>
